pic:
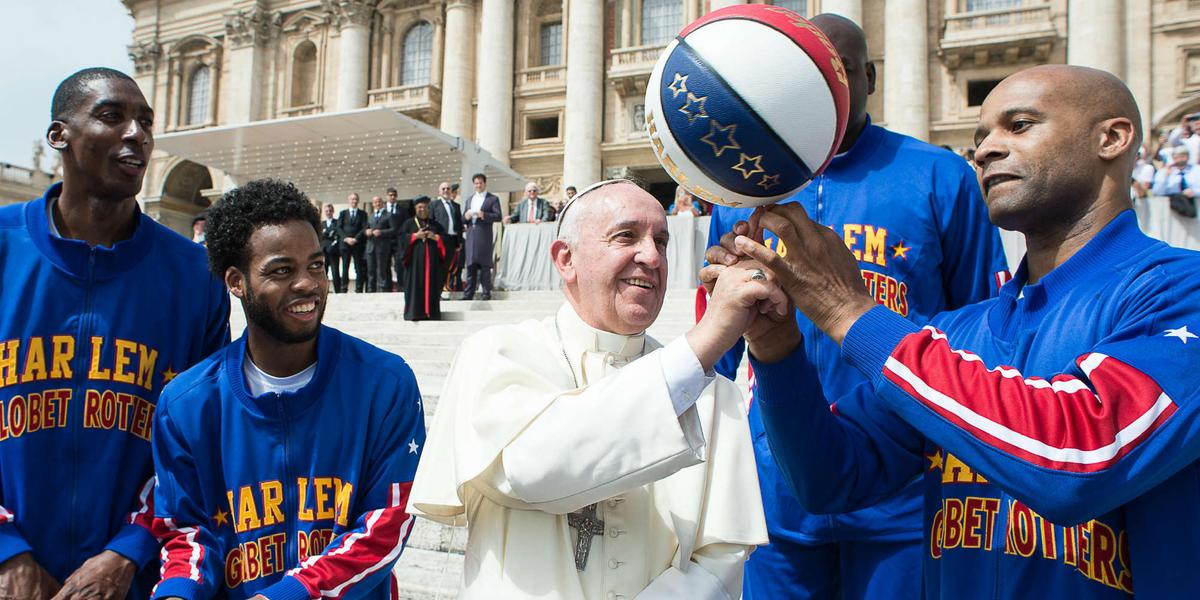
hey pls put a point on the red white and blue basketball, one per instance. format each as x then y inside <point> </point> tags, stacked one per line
<point>747,105</point>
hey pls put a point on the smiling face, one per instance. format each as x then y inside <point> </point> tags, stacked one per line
<point>444,190</point>
<point>615,273</point>
<point>422,210</point>
<point>479,183</point>
<point>1035,153</point>
<point>328,211</point>
<point>531,191</point>
<point>285,286</point>
<point>106,141</point>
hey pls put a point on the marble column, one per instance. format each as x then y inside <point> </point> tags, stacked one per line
<point>585,93</point>
<point>246,34</point>
<point>145,56</point>
<point>353,20</point>
<point>494,118</point>
<point>1095,35</point>
<point>906,67</point>
<point>851,9</point>
<point>1139,62</point>
<point>457,83</point>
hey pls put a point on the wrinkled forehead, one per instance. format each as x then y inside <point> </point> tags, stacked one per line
<point>626,205</point>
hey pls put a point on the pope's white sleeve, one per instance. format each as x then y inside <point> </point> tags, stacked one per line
<point>714,573</point>
<point>593,443</point>
<point>685,377</point>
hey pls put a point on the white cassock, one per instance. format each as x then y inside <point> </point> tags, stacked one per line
<point>522,438</point>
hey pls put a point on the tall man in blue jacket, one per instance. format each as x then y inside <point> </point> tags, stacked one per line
<point>1053,429</point>
<point>100,307</point>
<point>285,460</point>
<point>913,217</point>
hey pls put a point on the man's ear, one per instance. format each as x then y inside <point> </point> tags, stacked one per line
<point>563,258</point>
<point>1116,138</point>
<point>870,77</point>
<point>236,282</point>
<point>56,135</point>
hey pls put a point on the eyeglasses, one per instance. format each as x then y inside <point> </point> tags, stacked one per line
<point>595,186</point>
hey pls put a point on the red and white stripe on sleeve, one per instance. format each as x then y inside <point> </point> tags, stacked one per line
<point>144,515</point>
<point>1065,423</point>
<point>6,516</point>
<point>358,554</point>
<point>182,554</point>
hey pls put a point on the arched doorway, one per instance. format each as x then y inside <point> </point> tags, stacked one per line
<point>185,192</point>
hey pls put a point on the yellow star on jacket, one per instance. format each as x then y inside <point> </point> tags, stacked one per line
<point>168,375</point>
<point>720,137</point>
<point>900,251</point>
<point>742,164</point>
<point>694,108</point>
<point>221,518</point>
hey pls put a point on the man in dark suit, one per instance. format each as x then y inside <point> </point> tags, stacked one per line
<point>480,211</point>
<point>381,236</point>
<point>330,236</point>
<point>401,211</point>
<point>352,225</point>
<point>447,213</point>
<point>532,208</point>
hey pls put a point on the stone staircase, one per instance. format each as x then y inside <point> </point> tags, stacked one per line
<point>432,564</point>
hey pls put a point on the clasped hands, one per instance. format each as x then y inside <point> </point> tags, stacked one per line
<point>817,275</point>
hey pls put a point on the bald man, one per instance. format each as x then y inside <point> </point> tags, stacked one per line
<point>913,216</point>
<point>1054,428</point>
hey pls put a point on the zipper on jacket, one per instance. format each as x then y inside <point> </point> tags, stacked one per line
<point>83,342</point>
<point>291,510</point>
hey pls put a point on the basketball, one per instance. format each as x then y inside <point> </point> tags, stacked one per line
<point>747,105</point>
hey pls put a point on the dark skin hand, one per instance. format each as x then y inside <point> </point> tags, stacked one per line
<point>22,577</point>
<point>105,576</point>
<point>832,297</point>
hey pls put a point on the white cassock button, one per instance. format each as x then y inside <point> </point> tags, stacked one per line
<point>614,532</point>
<point>613,502</point>
<point>614,563</point>
<point>609,359</point>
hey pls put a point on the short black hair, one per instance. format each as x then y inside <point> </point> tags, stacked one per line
<point>420,200</point>
<point>479,176</point>
<point>572,188</point>
<point>70,93</point>
<point>454,187</point>
<point>244,210</point>
<point>391,190</point>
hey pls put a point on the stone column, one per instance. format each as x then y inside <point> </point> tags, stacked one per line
<point>457,84</point>
<point>585,93</point>
<point>145,57</point>
<point>906,67</point>
<point>494,118</point>
<point>851,9</point>
<point>246,34</point>
<point>1096,35</point>
<point>353,21</point>
<point>385,57</point>
<point>1138,60</point>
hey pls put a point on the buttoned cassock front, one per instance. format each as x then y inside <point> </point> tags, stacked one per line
<point>517,444</point>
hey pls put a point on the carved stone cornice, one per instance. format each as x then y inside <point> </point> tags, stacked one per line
<point>347,13</point>
<point>145,56</point>
<point>253,26</point>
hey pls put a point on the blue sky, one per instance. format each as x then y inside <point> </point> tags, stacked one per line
<point>43,42</point>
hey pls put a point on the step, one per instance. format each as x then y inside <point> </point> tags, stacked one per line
<point>428,574</point>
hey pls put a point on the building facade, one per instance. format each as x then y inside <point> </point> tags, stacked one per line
<point>554,88</point>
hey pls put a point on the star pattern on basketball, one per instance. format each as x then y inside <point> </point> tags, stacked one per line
<point>721,138</point>
<point>741,167</point>
<point>678,86</point>
<point>412,446</point>
<point>768,181</point>
<point>696,106</point>
<point>900,250</point>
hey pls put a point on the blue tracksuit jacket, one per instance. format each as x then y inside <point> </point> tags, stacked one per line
<point>292,495</point>
<point>88,338</point>
<point>914,218</point>
<point>1053,429</point>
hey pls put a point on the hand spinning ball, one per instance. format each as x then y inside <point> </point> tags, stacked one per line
<point>747,105</point>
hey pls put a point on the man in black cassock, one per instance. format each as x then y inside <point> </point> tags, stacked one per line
<point>421,239</point>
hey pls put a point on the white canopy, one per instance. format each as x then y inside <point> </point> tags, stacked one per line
<point>332,154</point>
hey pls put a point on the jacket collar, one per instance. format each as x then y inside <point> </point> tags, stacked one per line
<point>866,144</point>
<point>77,258</point>
<point>275,406</point>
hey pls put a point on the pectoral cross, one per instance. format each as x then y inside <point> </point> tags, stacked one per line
<point>588,526</point>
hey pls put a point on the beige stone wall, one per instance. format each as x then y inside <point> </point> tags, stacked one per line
<point>250,45</point>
